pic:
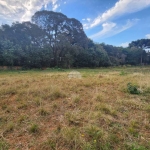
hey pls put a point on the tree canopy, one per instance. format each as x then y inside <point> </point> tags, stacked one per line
<point>52,39</point>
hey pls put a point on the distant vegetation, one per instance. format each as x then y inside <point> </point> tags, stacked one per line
<point>53,40</point>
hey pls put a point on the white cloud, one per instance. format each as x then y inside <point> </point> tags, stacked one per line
<point>85,25</point>
<point>88,19</point>
<point>126,44</point>
<point>55,7</point>
<point>122,7</point>
<point>147,36</point>
<point>111,28</point>
<point>22,10</point>
<point>107,27</point>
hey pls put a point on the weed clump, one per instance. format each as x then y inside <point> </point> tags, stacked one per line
<point>95,139</point>
<point>3,145</point>
<point>76,98</point>
<point>99,97</point>
<point>43,112</point>
<point>73,118</point>
<point>71,138</point>
<point>22,118</point>
<point>148,109</point>
<point>10,127</point>
<point>135,147</point>
<point>49,144</point>
<point>122,73</point>
<point>57,93</point>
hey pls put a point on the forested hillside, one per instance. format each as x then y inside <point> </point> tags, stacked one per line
<point>51,39</point>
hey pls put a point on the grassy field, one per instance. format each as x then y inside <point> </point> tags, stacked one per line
<point>107,109</point>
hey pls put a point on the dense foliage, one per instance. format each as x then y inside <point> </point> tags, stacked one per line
<point>52,40</point>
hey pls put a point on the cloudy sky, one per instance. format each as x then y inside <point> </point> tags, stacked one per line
<point>116,22</point>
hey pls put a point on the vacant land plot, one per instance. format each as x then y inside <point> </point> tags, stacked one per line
<point>105,109</point>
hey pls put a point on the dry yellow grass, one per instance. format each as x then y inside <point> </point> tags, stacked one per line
<point>46,110</point>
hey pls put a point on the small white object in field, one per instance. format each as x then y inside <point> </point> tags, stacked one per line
<point>74,74</point>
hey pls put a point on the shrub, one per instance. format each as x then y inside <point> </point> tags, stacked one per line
<point>132,89</point>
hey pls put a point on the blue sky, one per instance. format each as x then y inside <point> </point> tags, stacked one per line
<point>116,22</point>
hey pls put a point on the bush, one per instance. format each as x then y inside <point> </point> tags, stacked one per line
<point>132,89</point>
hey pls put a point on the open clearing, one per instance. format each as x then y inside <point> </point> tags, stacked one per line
<point>46,110</point>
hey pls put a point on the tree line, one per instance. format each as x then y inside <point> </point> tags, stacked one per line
<point>53,40</point>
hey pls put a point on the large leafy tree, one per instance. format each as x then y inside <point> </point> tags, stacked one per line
<point>140,43</point>
<point>28,45</point>
<point>57,26</point>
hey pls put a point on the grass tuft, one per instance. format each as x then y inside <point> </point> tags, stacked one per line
<point>33,128</point>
